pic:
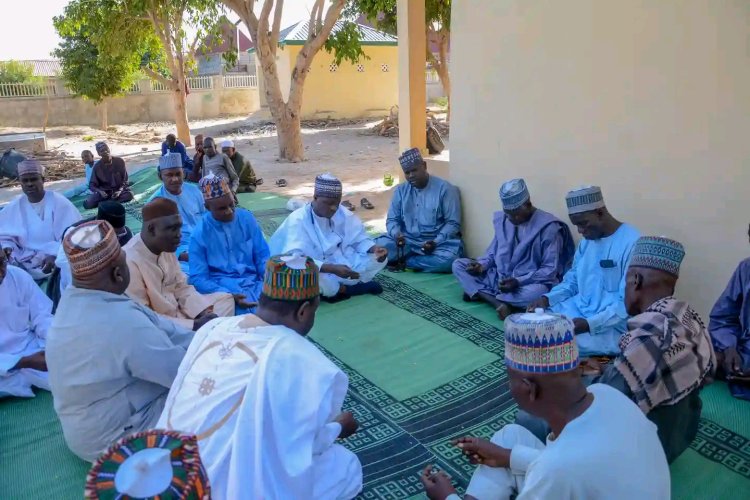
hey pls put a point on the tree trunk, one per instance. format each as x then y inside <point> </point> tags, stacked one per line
<point>180,116</point>
<point>104,119</point>
<point>445,81</point>
<point>289,133</point>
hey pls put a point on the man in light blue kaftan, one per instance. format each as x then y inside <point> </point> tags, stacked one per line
<point>529,254</point>
<point>188,198</point>
<point>227,249</point>
<point>424,219</point>
<point>592,293</point>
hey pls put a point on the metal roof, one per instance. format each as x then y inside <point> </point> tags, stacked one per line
<point>296,34</point>
<point>43,67</point>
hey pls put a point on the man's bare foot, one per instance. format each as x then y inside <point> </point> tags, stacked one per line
<point>503,311</point>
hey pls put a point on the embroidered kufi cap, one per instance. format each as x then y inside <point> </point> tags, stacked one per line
<point>159,207</point>
<point>658,252</point>
<point>291,277</point>
<point>584,199</point>
<point>170,160</point>
<point>149,465</point>
<point>327,186</point>
<point>513,194</point>
<point>410,158</point>
<point>540,342</point>
<point>214,186</point>
<point>113,212</point>
<point>91,247</point>
<point>30,166</point>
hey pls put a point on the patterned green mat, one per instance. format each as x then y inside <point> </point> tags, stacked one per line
<point>424,367</point>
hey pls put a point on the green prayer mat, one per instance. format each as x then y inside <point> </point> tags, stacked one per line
<point>423,366</point>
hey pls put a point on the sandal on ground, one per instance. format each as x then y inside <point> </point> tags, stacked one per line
<point>347,204</point>
<point>365,203</point>
<point>280,183</point>
<point>258,182</point>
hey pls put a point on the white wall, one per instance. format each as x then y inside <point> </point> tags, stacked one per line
<point>650,100</point>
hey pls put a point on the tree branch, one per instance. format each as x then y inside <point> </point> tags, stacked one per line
<point>156,76</point>
<point>274,41</point>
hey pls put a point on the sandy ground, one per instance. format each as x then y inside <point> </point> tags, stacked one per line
<point>346,150</point>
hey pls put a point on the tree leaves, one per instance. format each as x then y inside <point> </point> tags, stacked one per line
<point>345,44</point>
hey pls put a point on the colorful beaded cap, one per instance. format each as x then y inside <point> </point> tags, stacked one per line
<point>658,252</point>
<point>540,342</point>
<point>291,277</point>
<point>214,186</point>
<point>189,479</point>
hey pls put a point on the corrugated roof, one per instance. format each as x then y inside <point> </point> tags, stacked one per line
<point>43,67</point>
<point>296,34</point>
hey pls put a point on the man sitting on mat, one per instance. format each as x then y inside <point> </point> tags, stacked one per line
<point>227,250</point>
<point>111,360</point>
<point>25,317</point>
<point>666,353</point>
<point>188,198</point>
<point>156,280</point>
<point>338,241</point>
<point>591,292</point>
<point>529,254</point>
<point>601,444</point>
<point>730,331</point>
<point>264,402</point>
<point>424,219</point>
<point>109,179</point>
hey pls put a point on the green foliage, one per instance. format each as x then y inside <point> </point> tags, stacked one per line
<point>442,102</point>
<point>18,72</point>
<point>230,59</point>
<point>382,13</point>
<point>345,44</point>
<point>87,138</point>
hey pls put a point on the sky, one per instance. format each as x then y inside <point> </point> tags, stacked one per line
<point>28,33</point>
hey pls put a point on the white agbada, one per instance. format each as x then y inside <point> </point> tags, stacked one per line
<point>25,318</point>
<point>33,236</point>
<point>262,401</point>
<point>342,239</point>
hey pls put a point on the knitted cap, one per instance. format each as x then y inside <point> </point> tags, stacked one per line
<point>150,464</point>
<point>159,207</point>
<point>540,342</point>
<point>327,186</point>
<point>584,199</point>
<point>214,186</point>
<point>658,252</point>
<point>170,160</point>
<point>411,158</point>
<point>291,277</point>
<point>91,247</point>
<point>513,194</point>
<point>111,211</point>
<point>30,166</point>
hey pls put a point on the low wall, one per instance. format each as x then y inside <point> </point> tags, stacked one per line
<point>145,106</point>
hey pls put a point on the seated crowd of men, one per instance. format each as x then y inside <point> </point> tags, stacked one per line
<point>167,341</point>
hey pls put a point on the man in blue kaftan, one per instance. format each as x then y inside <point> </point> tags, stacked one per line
<point>729,327</point>
<point>529,254</point>
<point>188,198</point>
<point>592,293</point>
<point>227,249</point>
<point>424,219</point>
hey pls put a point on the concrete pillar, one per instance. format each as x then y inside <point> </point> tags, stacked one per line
<point>412,87</point>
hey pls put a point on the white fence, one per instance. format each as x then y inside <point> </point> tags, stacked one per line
<point>240,81</point>
<point>200,83</point>
<point>28,89</point>
<point>431,76</point>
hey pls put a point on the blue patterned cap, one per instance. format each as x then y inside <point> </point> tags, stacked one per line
<point>170,160</point>
<point>513,194</point>
<point>214,186</point>
<point>584,199</point>
<point>411,158</point>
<point>327,186</point>
<point>540,342</point>
<point>658,252</point>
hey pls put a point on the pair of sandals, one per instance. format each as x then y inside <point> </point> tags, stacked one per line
<point>364,203</point>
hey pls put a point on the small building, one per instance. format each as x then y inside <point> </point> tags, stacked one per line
<point>210,54</point>
<point>367,88</point>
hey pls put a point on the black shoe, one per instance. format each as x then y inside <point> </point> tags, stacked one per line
<point>467,298</point>
<point>369,288</point>
<point>339,297</point>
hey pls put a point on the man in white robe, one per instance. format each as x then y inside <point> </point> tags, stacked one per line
<point>25,317</point>
<point>32,225</point>
<point>336,239</point>
<point>264,402</point>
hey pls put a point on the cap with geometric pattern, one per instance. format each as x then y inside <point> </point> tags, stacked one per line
<point>327,186</point>
<point>154,464</point>
<point>30,166</point>
<point>658,252</point>
<point>514,194</point>
<point>170,160</point>
<point>214,186</point>
<point>291,277</point>
<point>584,199</point>
<point>91,247</point>
<point>411,158</point>
<point>540,342</point>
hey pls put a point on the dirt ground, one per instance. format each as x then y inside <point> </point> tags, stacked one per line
<point>347,150</point>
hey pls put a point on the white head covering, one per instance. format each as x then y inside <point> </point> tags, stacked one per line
<point>227,144</point>
<point>584,199</point>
